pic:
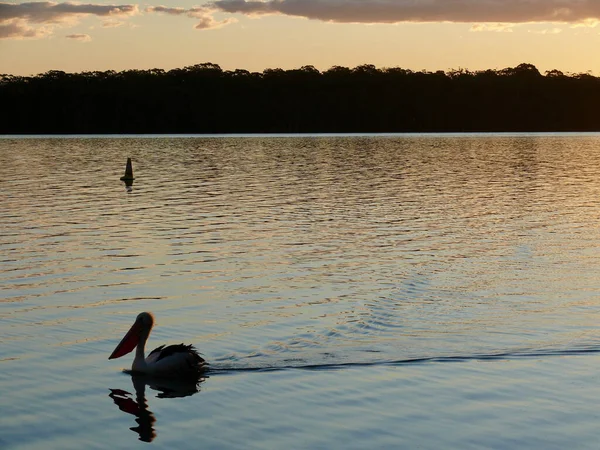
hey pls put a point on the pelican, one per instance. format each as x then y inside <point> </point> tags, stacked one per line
<point>172,361</point>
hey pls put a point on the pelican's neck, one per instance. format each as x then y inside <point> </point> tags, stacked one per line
<point>139,362</point>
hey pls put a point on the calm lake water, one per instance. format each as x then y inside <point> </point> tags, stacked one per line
<point>352,292</point>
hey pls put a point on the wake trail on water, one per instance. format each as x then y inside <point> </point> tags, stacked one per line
<point>216,369</point>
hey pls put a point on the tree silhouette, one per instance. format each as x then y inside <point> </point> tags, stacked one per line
<point>203,98</point>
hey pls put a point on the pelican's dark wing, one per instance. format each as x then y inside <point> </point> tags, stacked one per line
<point>179,358</point>
<point>170,350</point>
<point>156,350</point>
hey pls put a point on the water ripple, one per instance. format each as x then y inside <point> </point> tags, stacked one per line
<point>295,252</point>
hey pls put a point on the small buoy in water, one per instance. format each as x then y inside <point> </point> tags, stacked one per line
<point>128,177</point>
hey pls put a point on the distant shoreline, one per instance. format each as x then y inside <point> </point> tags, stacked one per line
<point>502,134</point>
<point>205,100</point>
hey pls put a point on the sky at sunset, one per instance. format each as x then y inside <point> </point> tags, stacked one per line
<point>257,34</point>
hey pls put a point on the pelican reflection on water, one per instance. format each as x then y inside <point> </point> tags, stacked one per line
<point>138,405</point>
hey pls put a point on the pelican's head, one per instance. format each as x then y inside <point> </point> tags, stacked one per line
<point>138,331</point>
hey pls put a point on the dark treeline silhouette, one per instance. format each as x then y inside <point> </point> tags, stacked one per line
<point>206,99</point>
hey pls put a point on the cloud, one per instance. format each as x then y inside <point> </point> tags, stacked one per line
<point>18,29</point>
<point>79,37</point>
<point>546,31</point>
<point>167,10</point>
<point>112,23</point>
<point>205,14</point>
<point>197,12</point>
<point>50,12</point>
<point>36,19</point>
<point>587,23</point>
<point>173,11</point>
<point>209,22</point>
<point>497,27</point>
<point>394,11</point>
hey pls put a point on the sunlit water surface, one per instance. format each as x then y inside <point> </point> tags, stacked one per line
<point>421,291</point>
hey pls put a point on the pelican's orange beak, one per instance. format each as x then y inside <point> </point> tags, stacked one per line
<point>129,342</point>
